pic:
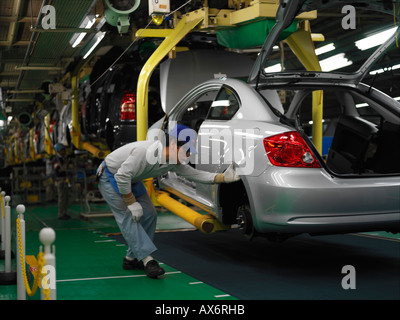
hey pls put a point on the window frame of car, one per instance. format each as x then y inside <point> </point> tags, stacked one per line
<point>233,94</point>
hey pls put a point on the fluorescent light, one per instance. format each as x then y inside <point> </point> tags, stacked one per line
<point>325,49</point>
<point>274,68</point>
<point>87,23</point>
<point>362,105</point>
<point>79,39</point>
<point>99,36</point>
<point>375,40</point>
<point>397,66</point>
<point>397,98</point>
<point>335,62</point>
<point>377,71</point>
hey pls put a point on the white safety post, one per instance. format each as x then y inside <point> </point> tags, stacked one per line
<point>21,291</point>
<point>7,277</point>
<point>3,224</point>
<point>7,229</point>
<point>47,236</point>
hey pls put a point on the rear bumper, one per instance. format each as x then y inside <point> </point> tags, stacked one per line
<point>296,200</point>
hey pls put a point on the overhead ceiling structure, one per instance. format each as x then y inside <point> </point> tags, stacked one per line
<point>31,53</point>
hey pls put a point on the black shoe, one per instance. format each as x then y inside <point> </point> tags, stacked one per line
<point>64,217</point>
<point>134,264</point>
<point>153,270</point>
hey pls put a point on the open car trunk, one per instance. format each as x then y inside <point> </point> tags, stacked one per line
<point>360,136</point>
<point>361,125</point>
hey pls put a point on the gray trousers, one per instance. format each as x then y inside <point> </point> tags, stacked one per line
<point>138,235</point>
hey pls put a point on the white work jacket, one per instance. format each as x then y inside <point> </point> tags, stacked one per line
<point>141,160</point>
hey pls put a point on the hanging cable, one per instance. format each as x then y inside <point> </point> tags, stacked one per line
<point>123,53</point>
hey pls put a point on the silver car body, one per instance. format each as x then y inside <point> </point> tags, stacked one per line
<point>283,200</point>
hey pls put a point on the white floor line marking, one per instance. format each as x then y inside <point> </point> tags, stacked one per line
<point>104,241</point>
<point>222,295</point>
<point>199,282</point>
<point>115,277</point>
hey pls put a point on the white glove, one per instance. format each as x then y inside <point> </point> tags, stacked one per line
<point>136,210</point>
<point>230,174</point>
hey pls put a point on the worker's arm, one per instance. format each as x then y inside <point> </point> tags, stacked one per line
<point>228,176</point>
<point>134,207</point>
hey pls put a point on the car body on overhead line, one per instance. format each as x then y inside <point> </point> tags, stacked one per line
<point>288,186</point>
<point>109,106</point>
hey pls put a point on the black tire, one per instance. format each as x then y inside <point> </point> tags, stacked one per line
<point>245,221</point>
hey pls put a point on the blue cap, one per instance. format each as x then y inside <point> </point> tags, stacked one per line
<point>185,134</point>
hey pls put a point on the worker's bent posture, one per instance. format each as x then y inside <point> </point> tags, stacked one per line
<point>121,175</point>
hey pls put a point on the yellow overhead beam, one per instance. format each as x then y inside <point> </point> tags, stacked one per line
<point>204,18</point>
<point>76,136</point>
<point>302,45</point>
<point>184,26</point>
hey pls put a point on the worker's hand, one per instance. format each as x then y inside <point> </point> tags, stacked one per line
<point>230,174</point>
<point>136,210</point>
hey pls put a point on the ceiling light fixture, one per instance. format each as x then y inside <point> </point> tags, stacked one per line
<point>335,62</point>
<point>87,23</point>
<point>375,39</point>
<point>397,66</point>
<point>98,37</point>
<point>274,68</point>
<point>325,49</point>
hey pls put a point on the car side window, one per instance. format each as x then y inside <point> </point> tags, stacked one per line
<point>195,113</point>
<point>224,106</point>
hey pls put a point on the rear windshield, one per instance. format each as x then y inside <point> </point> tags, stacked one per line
<point>361,33</point>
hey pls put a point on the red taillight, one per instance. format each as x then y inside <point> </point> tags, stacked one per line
<point>128,106</point>
<point>289,150</point>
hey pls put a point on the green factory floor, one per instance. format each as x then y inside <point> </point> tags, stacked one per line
<point>89,262</point>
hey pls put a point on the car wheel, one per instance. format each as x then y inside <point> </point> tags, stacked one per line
<point>245,221</point>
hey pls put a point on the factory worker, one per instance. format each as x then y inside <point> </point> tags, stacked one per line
<point>61,162</point>
<point>120,182</point>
